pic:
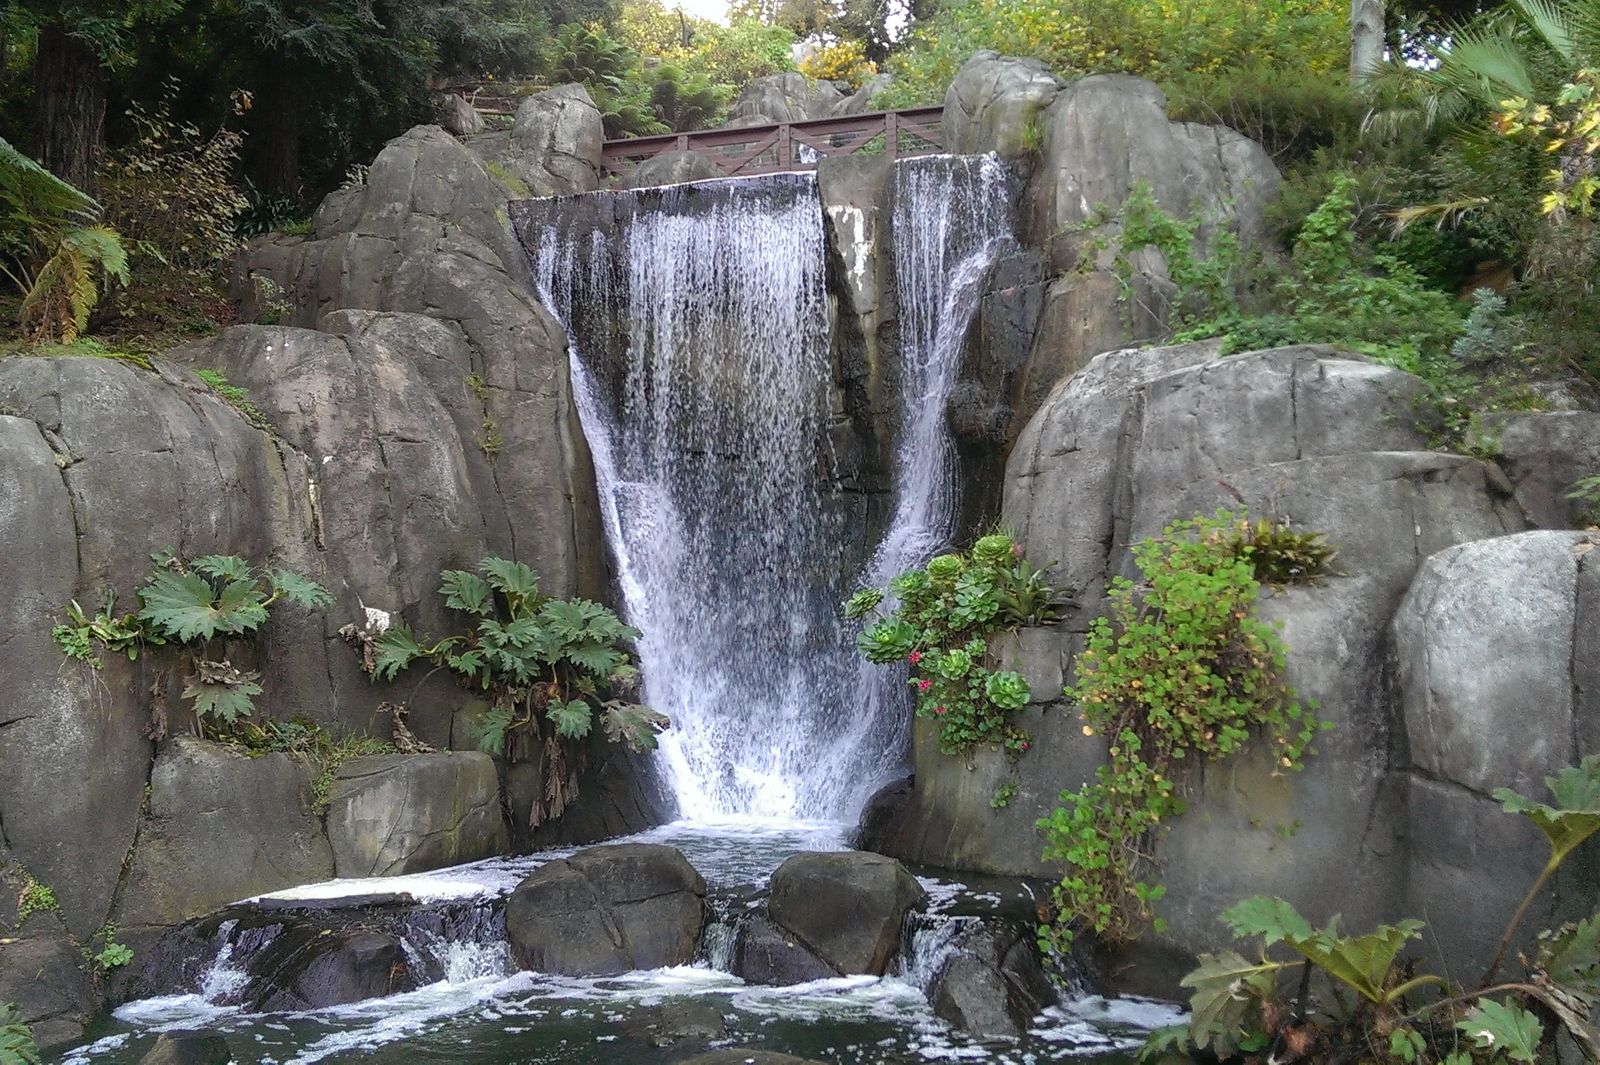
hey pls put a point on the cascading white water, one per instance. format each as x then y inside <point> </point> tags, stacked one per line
<point>697,317</point>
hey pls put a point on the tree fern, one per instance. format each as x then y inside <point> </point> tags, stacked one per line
<point>32,190</point>
<point>64,291</point>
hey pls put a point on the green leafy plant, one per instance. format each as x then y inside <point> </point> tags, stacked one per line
<point>1279,554</point>
<point>326,749</point>
<point>16,1039</point>
<point>548,667</point>
<point>106,953</point>
<point>1585,495</point>
<point>35,897</point>
<point>1243,1008</point>
<point>941,620</point>
<point>195,606</point>
<point>1178,674</point>
<point>234,396</point>
<point>1003,795</point>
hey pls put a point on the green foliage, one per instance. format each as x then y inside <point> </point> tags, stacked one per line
<point>1156,38</point>
<point>35,898</point>
<point>235,397</point>
<point>940,622</point>
<point>1239,1007</point>
<point>56,306</point>
<point>1585,494</point>
<point>1003,795</point>
<point>326,749</point>
<point>105,953</point>
<point>1279,554</point>
<point>16,1039</point>
<point>212,598</point>
<point>549,667</point>
<point>1178,674</point>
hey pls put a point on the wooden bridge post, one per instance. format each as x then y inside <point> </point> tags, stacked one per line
<point>891,135</point>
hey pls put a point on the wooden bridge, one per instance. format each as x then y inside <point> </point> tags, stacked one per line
<point>787,145</point>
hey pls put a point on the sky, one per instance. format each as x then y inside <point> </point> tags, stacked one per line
<point>715,10</point>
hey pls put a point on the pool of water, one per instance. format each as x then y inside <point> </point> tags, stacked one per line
<point>483,1012</point>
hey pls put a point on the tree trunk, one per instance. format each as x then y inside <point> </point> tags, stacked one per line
<point>70,92</point>
<point>278,105</point>
<point>1366,38</point>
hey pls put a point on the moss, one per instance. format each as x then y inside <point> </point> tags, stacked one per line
<point>235,397</point>
<point>516,186</point>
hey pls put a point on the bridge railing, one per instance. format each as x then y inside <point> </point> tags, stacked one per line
<point>787,145</point>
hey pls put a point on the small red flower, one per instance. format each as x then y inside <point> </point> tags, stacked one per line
<point>924,684</point>
<point>914,657</point>
<point>1024,744</point>
<point>939,709</point>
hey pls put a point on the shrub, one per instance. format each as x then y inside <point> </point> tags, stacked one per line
<point>844,60</point>
<point>550,669</point>
<point>1179,673</point>
<point>941,620</point>
<point>1246,1010</point>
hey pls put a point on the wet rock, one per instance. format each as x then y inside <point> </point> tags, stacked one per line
<point>773,956</point>
<point>672,168</point>
<point>992,983</point>
<point>309,967</point>
<point>846,907</point>
<point>407,813</point>
<point>222,826</point>
<point>680,1021</point>
<point>188,1048</point>
<point>608,910</point>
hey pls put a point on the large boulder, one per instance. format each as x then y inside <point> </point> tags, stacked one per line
<point>221,826</point>
<point>553,147</point>
<point>1134,441</point>
<point>608,910</point>
<point>672,168</point>
<point>1500,678</point>
<point>309,967</point>
<point>991,982</point>
<point>763,953</point>
<point>786,97</point>
<point>41,966</point>
<point>993,102</point>
<point>391,814</point>
<point>846,907</point>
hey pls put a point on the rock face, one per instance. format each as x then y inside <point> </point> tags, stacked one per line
<point>1141,438</point>
<point>847,907</point>
<point>1544,453</point>
<point>1087,146</point>
<point>419,417</point>
<point>302,970</point>
<point>552,148</point>
<point>395,814</point>
<point>787,97</point>
<point>1500,679</point>
<point>607,910</point>
<point>773,956</point>
<point>222,826</point>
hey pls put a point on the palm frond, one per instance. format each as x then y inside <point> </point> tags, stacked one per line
<point>1553,21</point>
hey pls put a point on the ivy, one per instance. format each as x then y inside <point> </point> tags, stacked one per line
<point>940,620</point>
<point>1179,673</point>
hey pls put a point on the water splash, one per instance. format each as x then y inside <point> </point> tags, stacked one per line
<point>698,322</point>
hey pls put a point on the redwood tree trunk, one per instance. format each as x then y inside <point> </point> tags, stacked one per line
<point>278,104</point>
<point>70,92</point>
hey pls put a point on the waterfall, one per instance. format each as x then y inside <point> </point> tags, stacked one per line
<point>698,322</point>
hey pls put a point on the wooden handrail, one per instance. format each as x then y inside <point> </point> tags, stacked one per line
<point>780,146</point>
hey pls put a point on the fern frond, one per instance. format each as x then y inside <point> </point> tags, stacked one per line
<point>35,191</point>
<point>102,246</point>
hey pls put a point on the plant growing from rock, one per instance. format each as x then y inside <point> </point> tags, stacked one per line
<point>941,620</point>
<point>1343,997</point>
<point>197,606</point>
<point>1585,494</point>
<point>16,1039</point>
<point>1179,673</point>
<point>550,669</point>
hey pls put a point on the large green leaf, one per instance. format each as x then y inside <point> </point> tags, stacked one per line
<point>222,567</point>
<point>1576,813</point>
<point>633,724</point>
<point>221,692</point>
<point>1273,919</point>
<point>1508,1030</point>
<point>35,191</point>
<point>241,607</point>
<point>1362,962</point>
<point>286,584</point>
<point>1570,956</point>
<point>183,607</point>
<point>1226,989</point>
<point>513,578</point>
<point>393,649</point>
<point>466,591</point>
<point>595,658</point>
<point>572,719</point>
<point>492,731</point>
